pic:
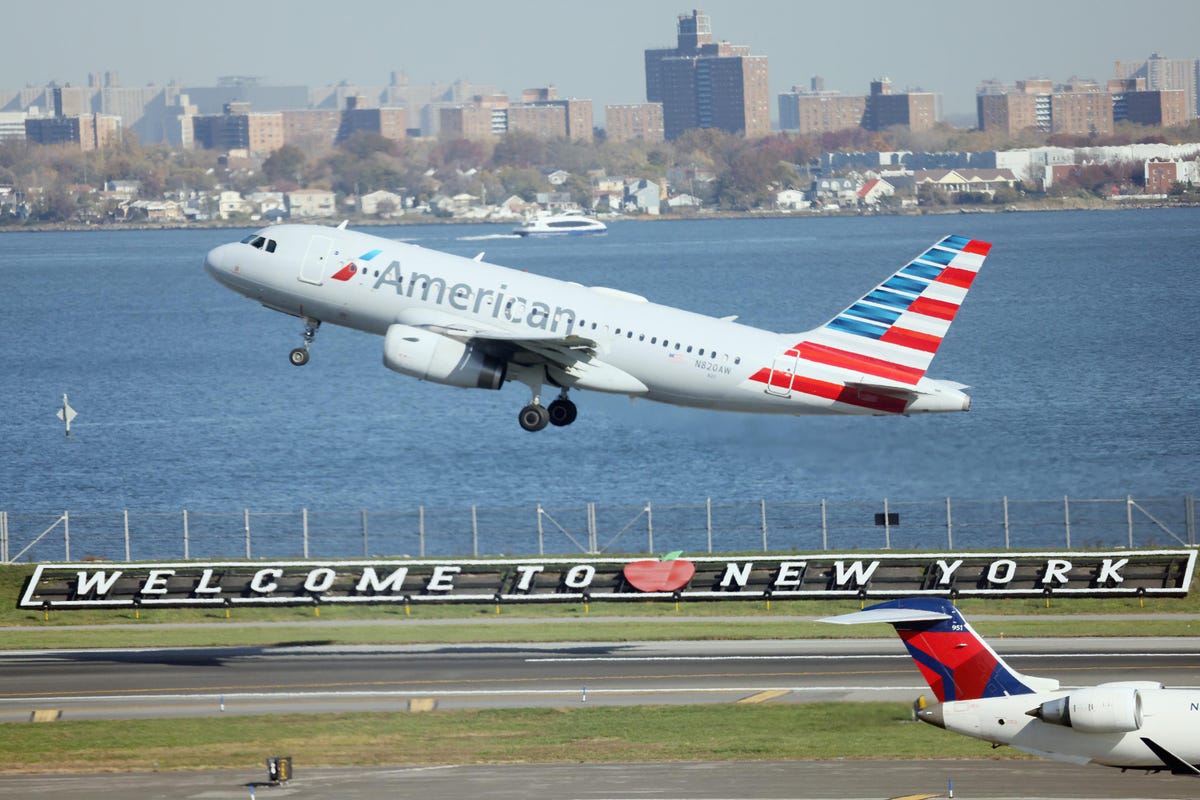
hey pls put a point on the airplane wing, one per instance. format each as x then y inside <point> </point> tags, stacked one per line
<point>530,347</point>
<point>1173,762</point>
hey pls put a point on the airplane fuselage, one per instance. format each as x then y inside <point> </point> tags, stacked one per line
<point>1169,717</point>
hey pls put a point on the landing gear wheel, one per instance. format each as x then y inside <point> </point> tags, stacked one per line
<point>299,357</point>
<point>534,417</point>
<point>562,412</point>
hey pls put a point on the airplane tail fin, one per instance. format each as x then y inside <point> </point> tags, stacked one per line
<point>955,662</point>
<point>890,335</point>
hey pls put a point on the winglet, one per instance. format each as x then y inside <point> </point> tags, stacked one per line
<point>955,662</point>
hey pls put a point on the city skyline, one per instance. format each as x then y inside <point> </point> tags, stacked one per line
<point>937,46</point>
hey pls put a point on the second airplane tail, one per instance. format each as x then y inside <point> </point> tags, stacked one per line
<point>955,662</point>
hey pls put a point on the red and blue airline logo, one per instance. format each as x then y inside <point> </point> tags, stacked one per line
<point>351,269</point>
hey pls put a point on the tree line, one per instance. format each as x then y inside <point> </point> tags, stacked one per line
<point>62,184</point>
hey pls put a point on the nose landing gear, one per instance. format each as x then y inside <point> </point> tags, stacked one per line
<point>299,356</point>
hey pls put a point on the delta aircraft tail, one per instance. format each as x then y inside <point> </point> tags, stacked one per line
<point>956,663</point>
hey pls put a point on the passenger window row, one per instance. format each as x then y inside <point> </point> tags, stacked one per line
<point>641,337</point>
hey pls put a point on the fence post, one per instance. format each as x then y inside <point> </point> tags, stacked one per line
<point>650,526</point>
<point>824,527</point>
<point>1067,519</point>
<point>127,535</point>
<point>1006,546</point>
<point>1129,517</point>
<point>949,527</point>
<point>708,512</point>
<point>763,506</point>
<point>246,522</point>
<point>364,529</point>
<point>474,533</point>
<point>421,529</point>
<point>541,544</point>
<point>185,535</point>
<point>887,527</point>
<point>1189,514</point>
<point>304,529</point>
<point>4,537</point>
<point>66,535</point>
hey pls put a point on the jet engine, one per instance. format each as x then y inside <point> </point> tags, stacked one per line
<point>1097,710</point>
<point>433,357</point>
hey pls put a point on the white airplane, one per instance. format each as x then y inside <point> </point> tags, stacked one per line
<point>465,323</point>
<point>1126,724</point>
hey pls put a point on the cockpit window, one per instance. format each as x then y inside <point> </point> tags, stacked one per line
<point>270,245</point>
<point>250,238</point>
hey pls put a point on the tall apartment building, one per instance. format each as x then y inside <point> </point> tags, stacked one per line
<point>917,111</point>
<point>85,131</point>
<point>706,84</point>
<point>1132,102</point>
<point>816,110</point>
<point>819,111</point>
<point>540,113</point>
<point>391,123</point>
<point>259,133</point>
<point>1167,73</point>
<point>635,122</point>
<point>1078,108</point>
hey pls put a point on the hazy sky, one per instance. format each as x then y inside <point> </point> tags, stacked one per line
<point>588,50</point>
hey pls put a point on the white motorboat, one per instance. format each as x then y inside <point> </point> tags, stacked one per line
<point>570,223</point>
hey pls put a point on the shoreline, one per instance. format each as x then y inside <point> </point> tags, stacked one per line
<point>1069,204</point>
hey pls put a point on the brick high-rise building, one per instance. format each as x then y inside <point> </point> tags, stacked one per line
<point>917,111</point>
<point>816,110</point>
<point>706,84</point>
<point>1078,108</point>
<point>1167,73</point>
<point>636,122</point>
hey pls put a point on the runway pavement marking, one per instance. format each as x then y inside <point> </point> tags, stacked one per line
<point>762,697</point>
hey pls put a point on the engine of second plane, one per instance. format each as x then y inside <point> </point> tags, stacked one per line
<point>433,357</point>
<point>1101,709</point>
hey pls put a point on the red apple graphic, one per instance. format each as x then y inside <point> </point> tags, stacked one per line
<point>665,575</point>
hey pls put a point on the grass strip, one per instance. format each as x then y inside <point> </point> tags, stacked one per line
<point>495,736</point>
<point>632,630</point>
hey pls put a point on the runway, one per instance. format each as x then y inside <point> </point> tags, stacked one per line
<point>194,682</point>
<point>766,780</point>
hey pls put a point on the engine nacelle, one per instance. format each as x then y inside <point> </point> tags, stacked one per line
<point>433,357</point>
<point>1097,710</point>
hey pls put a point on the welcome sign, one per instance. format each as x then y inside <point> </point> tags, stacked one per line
<point>1163,573</point>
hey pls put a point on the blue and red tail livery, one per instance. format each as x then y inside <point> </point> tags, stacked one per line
<point>956,663</point>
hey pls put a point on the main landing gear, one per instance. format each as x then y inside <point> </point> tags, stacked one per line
<point>299,356</point>
<point>535,416</point>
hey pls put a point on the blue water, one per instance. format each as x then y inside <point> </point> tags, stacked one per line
<point>1079,340</point>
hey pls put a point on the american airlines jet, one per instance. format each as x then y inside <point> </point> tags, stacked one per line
<point>466,323</point>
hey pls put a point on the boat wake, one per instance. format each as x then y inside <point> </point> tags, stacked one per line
<point>487,236</point>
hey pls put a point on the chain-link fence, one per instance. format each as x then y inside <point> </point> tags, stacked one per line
<point>707,527</point>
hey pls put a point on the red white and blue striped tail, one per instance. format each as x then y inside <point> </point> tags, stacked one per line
<point>892,333</point>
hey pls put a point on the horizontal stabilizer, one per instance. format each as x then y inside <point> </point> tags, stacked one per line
<point>1173,762</point>
<point>888,615</point>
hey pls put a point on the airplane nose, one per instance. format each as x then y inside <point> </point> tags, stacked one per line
<point>219,262</point>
